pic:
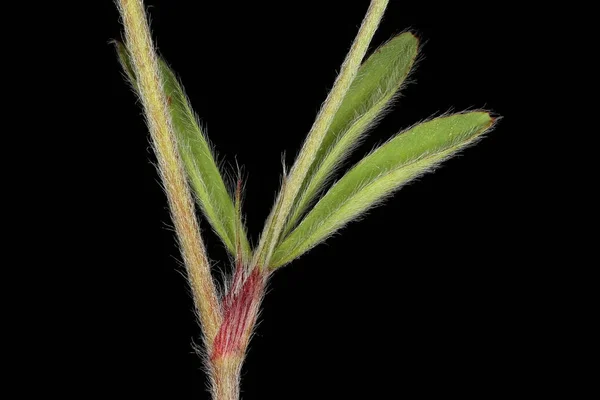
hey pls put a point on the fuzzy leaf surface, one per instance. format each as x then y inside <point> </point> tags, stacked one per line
<point>395,163</point>
<point>199,161</point>
<point>377,83</point>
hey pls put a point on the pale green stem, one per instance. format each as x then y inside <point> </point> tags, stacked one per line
<point>289,191</point>
<point>181,204</point>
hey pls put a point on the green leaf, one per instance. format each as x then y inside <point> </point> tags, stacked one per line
<point>406,156</point>
<point>375,86</point>
<point>203,173</point>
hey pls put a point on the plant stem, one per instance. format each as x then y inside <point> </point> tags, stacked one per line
<point>293,183</point>
<point>150,89</point>
<point>226,379</point>
<point>241,306</point>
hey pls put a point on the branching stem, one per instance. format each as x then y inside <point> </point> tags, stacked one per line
<point>227,327</point>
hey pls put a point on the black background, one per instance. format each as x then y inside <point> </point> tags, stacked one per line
<point>423,296</point>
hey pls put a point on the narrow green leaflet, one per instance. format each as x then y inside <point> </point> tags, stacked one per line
<point>377,82</point>
<point>406,156</point>
<point>200,165</point>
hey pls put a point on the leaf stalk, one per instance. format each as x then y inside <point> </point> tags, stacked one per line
<point>285,200</point>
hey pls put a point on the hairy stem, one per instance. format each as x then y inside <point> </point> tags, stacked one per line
<point>150,89</point>
<point>241,307</point>
<point>226,379</point>
<point>307,154</point>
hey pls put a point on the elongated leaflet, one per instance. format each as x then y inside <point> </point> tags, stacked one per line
<point>198,159</point>
<point>377,82</point>
<point>390,166</point>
